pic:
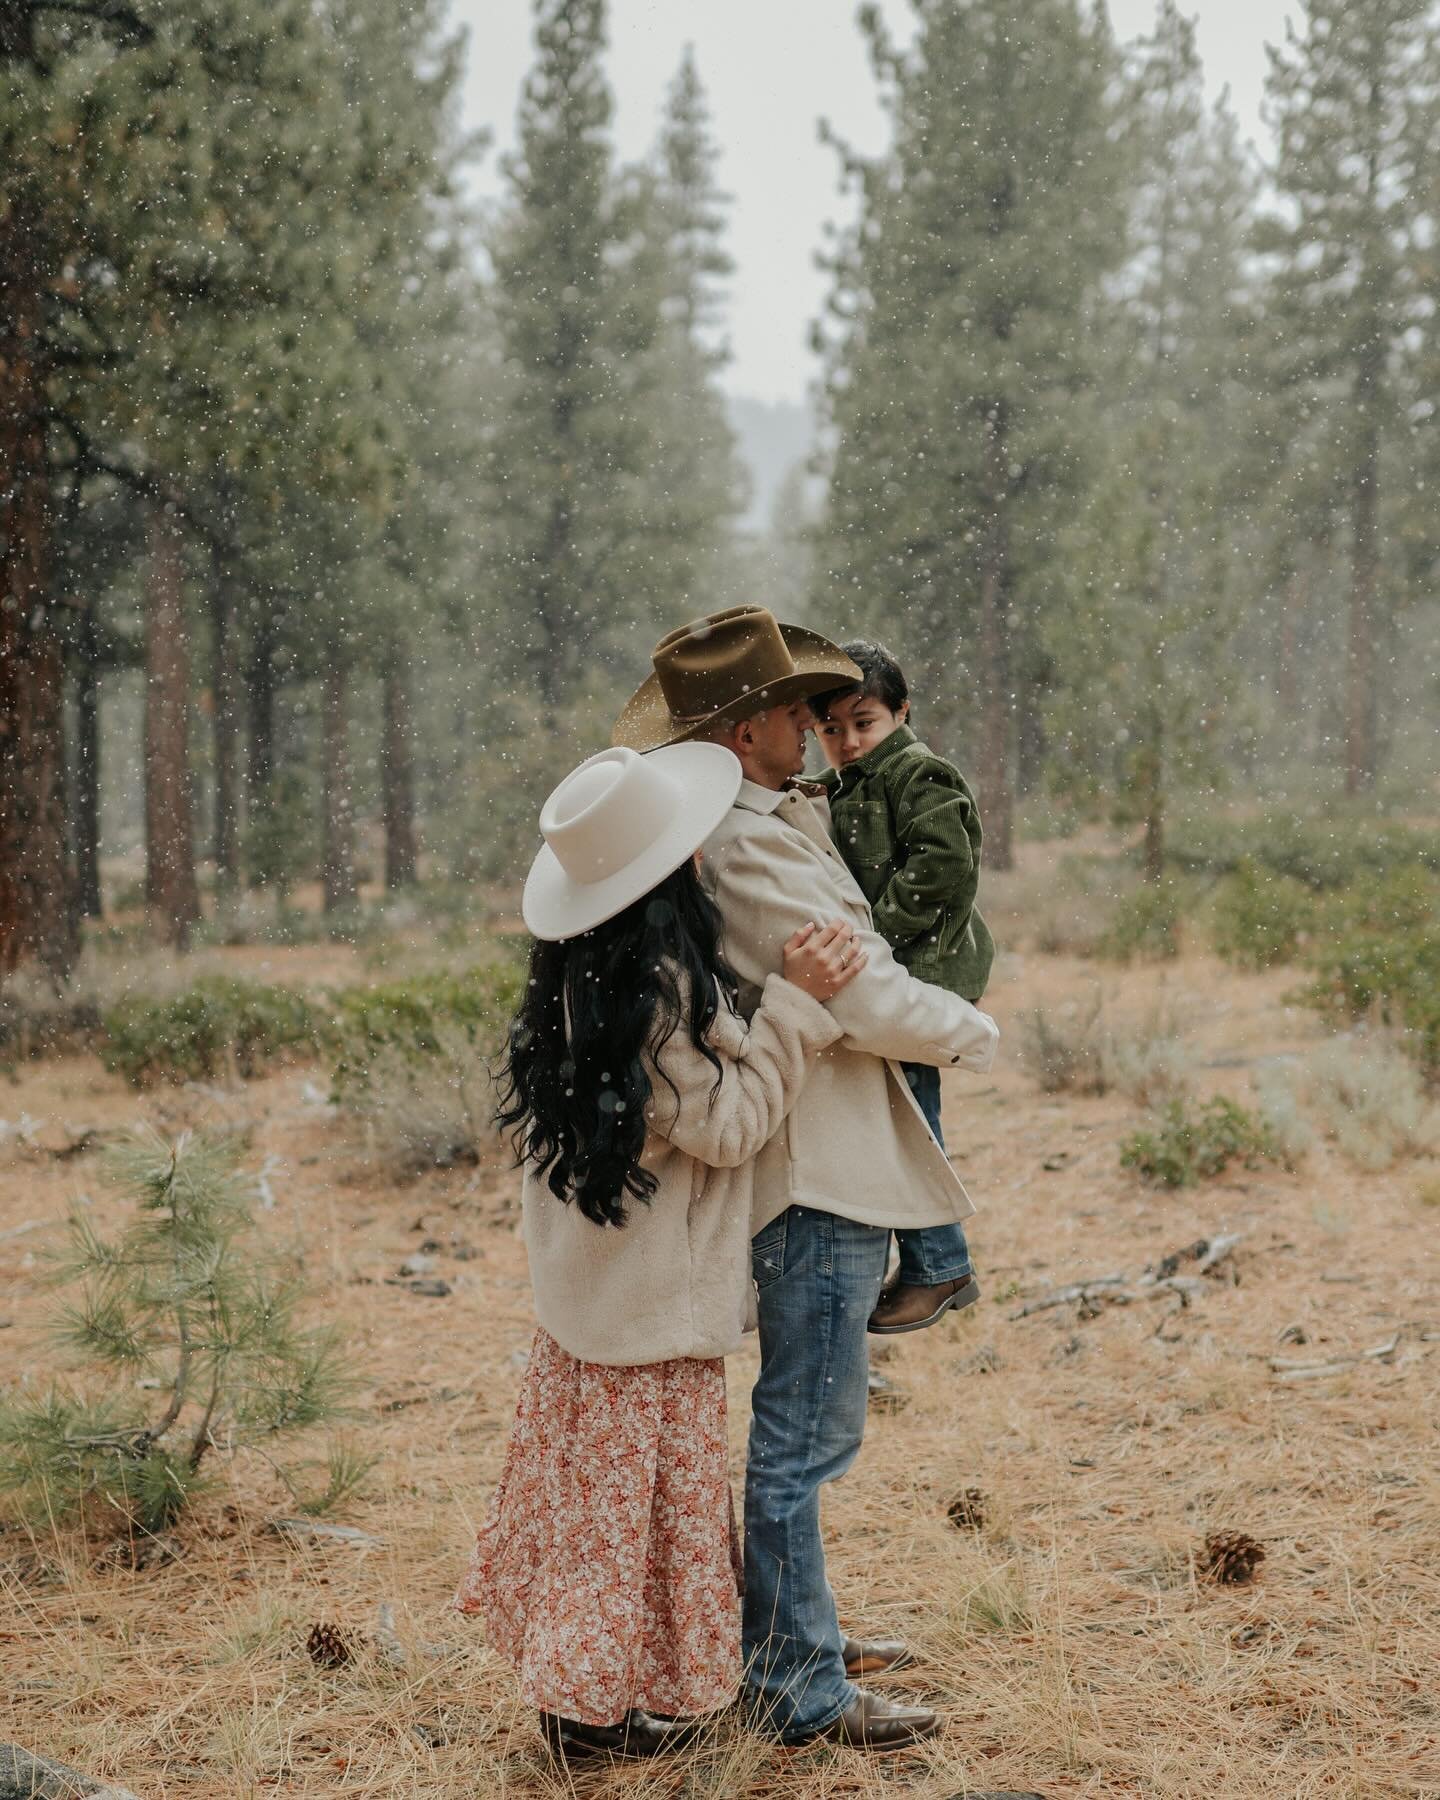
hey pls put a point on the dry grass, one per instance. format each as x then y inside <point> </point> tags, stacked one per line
<point>1072,1640</point>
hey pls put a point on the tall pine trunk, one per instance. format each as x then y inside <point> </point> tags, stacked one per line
<point>397,769</point>
<point>86,825</point>
<point>340,888</point>
<point>260,686</point>
<point>171,889</point>
<point>1360,695</point>
<point>1294,603</point>
<point>225,690</point>
<point>993,747</point>
<point>1152,787</point>
<point>36,918</point>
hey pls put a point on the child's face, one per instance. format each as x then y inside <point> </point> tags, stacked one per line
<point>854,726</point>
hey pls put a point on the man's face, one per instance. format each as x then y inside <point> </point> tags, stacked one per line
<point>775,749</point>
<point>854,726</point>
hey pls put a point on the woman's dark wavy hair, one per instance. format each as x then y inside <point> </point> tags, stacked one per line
<point>574,1083</point>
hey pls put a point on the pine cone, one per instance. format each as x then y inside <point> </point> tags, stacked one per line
<point>966,1512</point>
<point>328,1646</point>
<point>1231,1557</point>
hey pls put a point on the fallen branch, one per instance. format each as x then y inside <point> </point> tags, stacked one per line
<point>16,1231</point>
<point>387,1639</point>
<point>1156,1278</point>
<point>1289,1370</point>
<point>1097,1286</point>
<point>317,1531</point>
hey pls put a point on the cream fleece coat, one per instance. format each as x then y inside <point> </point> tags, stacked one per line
<point>675,1280</point>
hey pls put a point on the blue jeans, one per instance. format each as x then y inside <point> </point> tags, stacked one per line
<point>938,1252</point>
<point>818,1278</point>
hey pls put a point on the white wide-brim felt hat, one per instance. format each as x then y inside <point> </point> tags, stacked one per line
<point>617,826</point>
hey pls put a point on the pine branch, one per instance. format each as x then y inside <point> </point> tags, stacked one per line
<point>105,12</point>
<point>93,461</point>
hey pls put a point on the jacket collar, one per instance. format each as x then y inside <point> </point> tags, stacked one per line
<point>755,798</point>
<point>899,739</point>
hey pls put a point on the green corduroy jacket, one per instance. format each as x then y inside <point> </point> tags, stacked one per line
<point>907,825</point>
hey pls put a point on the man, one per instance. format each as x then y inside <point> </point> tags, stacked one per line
<point>854,1161</point>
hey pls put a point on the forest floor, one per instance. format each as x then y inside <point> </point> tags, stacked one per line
<point>1069,1633</point>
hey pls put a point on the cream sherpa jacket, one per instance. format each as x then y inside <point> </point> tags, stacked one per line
<point>675,1280</point>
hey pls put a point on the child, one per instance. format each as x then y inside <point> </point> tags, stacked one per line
<point>905,821</point>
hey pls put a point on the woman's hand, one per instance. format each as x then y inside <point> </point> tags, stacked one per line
<point>822,960</point>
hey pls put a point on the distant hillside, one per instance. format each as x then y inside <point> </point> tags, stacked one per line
<point>773,436</point>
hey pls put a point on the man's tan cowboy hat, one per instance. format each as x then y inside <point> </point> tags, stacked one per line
<point>724,667</point>
<point>617,826</point>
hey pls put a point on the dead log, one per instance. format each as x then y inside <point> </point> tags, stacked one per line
<point>27,1777</point>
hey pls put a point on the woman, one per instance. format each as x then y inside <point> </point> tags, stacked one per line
<point>637,1097</point>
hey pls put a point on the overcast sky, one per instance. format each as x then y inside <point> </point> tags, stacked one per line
<point>773,68</point>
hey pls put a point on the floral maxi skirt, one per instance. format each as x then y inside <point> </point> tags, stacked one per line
<point>607,1570</point>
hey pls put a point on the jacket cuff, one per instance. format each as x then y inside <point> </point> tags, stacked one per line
<point>978,1058</point>
<point>813,1023</point>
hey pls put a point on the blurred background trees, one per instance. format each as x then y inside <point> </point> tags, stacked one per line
<point>337,514</point>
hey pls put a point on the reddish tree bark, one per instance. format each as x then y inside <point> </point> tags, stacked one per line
<point>225,719</point>
<point>338,874</point>
<point>36,917</point>
<point>397,769</point>
<point>86,822</point>
<point>171,889</point>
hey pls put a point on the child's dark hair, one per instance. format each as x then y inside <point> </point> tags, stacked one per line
<point>882,679</point>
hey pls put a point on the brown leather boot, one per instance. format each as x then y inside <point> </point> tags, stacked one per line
<point>875,1656</point>
<point>903,1307</point>
<point>638,1734</point>
<point>873,1723</point>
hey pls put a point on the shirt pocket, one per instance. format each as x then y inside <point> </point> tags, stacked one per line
<point>863,834</point>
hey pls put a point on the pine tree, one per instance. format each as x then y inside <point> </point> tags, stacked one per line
<point>60,70</point>
<point>963,311</point>
<point>186,1298</point>
<point>695,482</point>
<point>1158,555</point>
<point>575,322</point>
<point>1352,95</point>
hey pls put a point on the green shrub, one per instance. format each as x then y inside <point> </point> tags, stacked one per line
<point>1328,852</point>
<point>1391,975</point>
<point>1399,900</point>
<point>1145,924</point>
<point>1184,1147</point>
<point>216,1027</point>
<point>1262,918</point>
<point>413,1059</point>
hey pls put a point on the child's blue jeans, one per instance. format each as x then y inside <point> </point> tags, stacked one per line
<point>938,1252</point>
